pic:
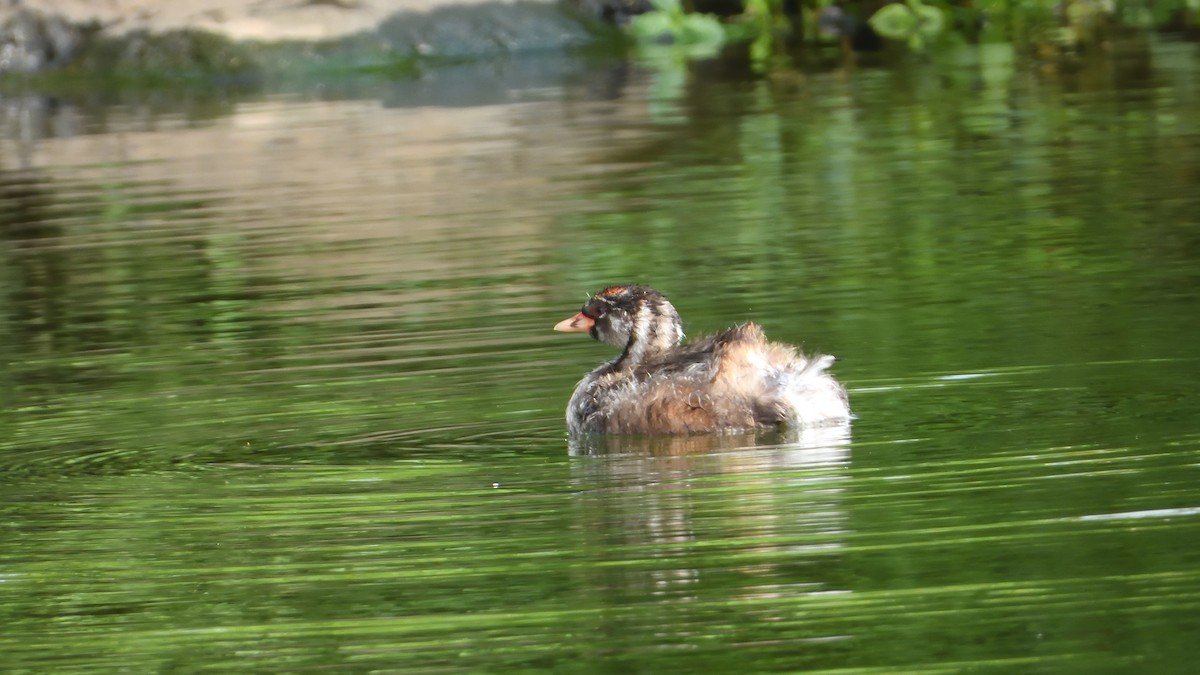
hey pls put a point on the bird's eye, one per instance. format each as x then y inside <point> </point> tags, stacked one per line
<point>594,310</point>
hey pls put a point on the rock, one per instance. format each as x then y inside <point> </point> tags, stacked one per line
<point>30,42</point>
<point>616,12</point>
<point>218,36</point>
<point>277,20</point>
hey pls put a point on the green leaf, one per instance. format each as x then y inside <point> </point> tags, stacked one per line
<point>894,21</point>
<point>761,48</point>
<point>670,7</point>
<point>930,20</point>
<point>915,23</point>
<point>703,30</point>
<point>696,35</point>
<point>652,27</point>
<point>758,7</point>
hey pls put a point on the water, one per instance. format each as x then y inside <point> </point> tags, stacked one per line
<point>280,391</point>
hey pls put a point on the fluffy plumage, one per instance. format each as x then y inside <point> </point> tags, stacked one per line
<point>734,380</point>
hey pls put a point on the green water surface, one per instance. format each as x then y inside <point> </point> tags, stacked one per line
<point>280,392</point>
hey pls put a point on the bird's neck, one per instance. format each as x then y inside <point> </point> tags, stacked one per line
<point>656,330</point>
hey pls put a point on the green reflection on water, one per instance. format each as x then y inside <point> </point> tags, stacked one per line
<point>235,440</point>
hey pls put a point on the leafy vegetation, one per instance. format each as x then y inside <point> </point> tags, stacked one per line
<point>913,21</point>
<point>767,26</point>
<point>670,25</point>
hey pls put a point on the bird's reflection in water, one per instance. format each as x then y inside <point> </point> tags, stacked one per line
<point>671,514</point>
<point>808,445</point>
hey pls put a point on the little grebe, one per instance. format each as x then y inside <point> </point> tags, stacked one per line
<point>732,380</point>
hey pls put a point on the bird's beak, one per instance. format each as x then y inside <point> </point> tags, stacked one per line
<point>576,324</point>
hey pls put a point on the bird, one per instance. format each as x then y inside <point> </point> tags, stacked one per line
<point>732,381</point>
